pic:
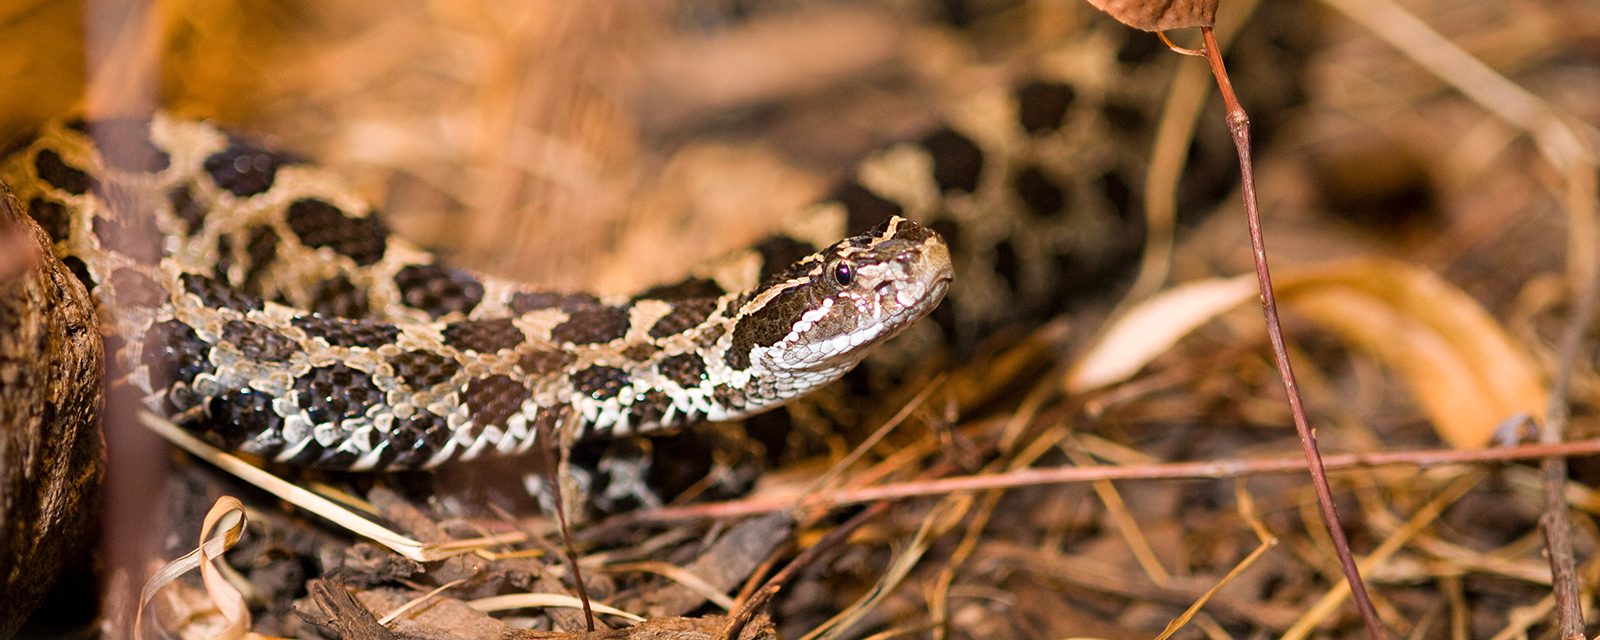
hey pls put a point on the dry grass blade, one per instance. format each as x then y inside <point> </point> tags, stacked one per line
<point>1425,516</point>
<point>1268,541</point>
<point>534,600</point>
<point>681,576</point>
<point>332,511</point>
<point>895,573</point>
<point>419,601</point>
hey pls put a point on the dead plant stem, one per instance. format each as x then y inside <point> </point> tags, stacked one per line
<point>1239,127</point>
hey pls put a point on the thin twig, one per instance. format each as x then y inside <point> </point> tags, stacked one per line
<point>748,609</point>
<point>1239,127</point>
<point>1210,470</point>
<point>1554,519</point>
<point>550,452</point>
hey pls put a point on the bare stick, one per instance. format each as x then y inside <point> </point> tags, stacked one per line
<point>1239,127</point>
<point>1207,470</point>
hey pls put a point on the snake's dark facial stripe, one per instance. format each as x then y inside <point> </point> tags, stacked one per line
<point>832,307</point>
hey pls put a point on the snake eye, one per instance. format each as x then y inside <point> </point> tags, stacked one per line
<point>844,273</point>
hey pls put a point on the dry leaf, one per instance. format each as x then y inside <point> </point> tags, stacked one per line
<point>226,520</point>
<point>1459,363</point>
<point>1150,328</point>
<point>1160,15</point>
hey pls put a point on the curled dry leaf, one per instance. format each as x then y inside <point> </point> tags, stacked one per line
<point>223,526</point>
<point>1462,367</point>
<point>1160,15</point>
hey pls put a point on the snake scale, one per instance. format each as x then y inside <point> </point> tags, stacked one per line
<point>259,302</point>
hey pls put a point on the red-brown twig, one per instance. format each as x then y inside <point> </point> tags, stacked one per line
<point>1062,475</point>
<point>1239,127</point>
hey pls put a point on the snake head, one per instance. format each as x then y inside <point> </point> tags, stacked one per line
<point>815,320</point>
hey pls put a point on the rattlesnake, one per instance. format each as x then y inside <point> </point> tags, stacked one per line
<point>452,364</point>
<point>259,302</point>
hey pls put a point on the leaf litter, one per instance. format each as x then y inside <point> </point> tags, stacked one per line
<point>1414,344</point>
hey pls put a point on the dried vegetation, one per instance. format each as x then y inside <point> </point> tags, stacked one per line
<point>1426,226</point>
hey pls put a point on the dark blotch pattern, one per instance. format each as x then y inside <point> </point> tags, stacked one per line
<point>957,160</point>
<point>640,351</point>
<point>1119,193</point>
<point>600,382</point>
<point>245,168</point>
<point>1007,265</point>
<point>863,208</point>
<point>536,363</point>
<point>483,336</point>
<point>685,289</point>
<point>336,392</point>
<point>685,315</point>
<point>261,246</point>
<point>951,232</point>
<point>258,342</point>
<point>1039,192</point>
<point>320,224</point>
<point>779,253</point>
<point>175,353</point>
<point>224,255</point>
<point>438,290</point>
<point>647,411</point>
<point>135,289</point>
<point>686,369</point>
<point>16,145</point>
<point>216,294</point>
<point>594,325</point>
<point>340,298</point>
<point>344,332</point>
<point>766,326</point>
<point>523,302</point>
<point>59,174</point>
<point>413,441</point>
<point>914,234</point>
<point>1127,119</point>
<point>186,208</point>
<point>727,396</point>
<point>494,399</point>
<point>423,369</point>
<point>51,216</point>
<point>1139,48</point>
<point>335,459</point>
<point>238,416</point>
<point>1042,106</point>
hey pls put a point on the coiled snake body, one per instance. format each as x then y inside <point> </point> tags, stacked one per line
<point>229,274</point>
<point>260,303</point>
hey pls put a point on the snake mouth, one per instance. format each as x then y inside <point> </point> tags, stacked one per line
<point>925,261</point>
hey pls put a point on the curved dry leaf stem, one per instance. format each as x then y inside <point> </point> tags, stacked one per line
<point>223,526</point>
<point>1239,128</point>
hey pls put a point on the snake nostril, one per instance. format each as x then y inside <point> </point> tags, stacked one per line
<point>884,288</point>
